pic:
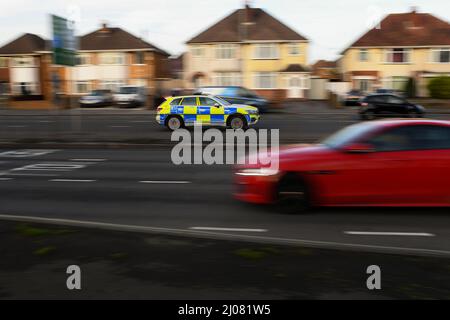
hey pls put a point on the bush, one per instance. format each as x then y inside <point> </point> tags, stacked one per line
<point>439,88</point>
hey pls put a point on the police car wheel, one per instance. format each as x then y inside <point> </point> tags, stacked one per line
<point>174,123</point>
<point>237,122</point>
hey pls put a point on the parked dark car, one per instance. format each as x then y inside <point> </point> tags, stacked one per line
<point>97,98</point>
<point>236,95</point>
<point>352,98</point>
<point>388,105</point>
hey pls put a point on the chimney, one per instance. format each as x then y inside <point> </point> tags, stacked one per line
<point>248,12</point>
<point>104,27</point>
<point>414,9</point>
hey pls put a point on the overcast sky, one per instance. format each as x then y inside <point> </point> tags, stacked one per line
<point>330,25</point>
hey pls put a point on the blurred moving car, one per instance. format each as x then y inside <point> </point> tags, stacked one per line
<point>236,95</point>
<point>352,98</point>
<point>378,163</point>
<point>130,96</point>
<point>177,112</point>
<point>97,98</point>
<point>388,105</point>
<point>384,91</point>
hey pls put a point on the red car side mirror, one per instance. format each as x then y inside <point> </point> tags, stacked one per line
<point>359,148</point>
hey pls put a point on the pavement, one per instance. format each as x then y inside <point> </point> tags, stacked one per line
<point>138,265</point>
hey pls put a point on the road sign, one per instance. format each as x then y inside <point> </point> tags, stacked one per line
<point>64,41</point>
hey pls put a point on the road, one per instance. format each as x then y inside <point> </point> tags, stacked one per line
<point>142,188</point>
<point>299,123</point>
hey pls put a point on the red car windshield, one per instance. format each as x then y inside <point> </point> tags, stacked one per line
<point>348,135</point>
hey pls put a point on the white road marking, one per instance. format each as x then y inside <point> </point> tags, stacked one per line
<point>16,126</point>
<point>119,126</point>
<point>5,179</point>
<point>28,174</point>
<point>409,234</point>
<point>165,182</point>
<point>27,153</point>
<point>93,160</point>
<point>55,166</point>
<point>71,180</point>
<point>228,229</point>
<point>46,121</point>
<point>227,236</point>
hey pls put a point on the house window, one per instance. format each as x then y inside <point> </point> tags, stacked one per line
<point>83,59</point>
<point>23,62</point>
<point>197,51</point>
<point>363,55</point>
<point>82,87</point>
<point>25,88</point>
<point>227,79</point>
<point>112,85</point>
<point>265,80</point>
<point>266,51</point>
<point>139,58</point>
<point>398,55</point>
<point>294,49</point>
<point>3,62</point>
<point>226,51</point>
<point>112,58</point>
<point>441,55</point>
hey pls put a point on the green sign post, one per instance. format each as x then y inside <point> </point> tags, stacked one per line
<point>64,42</point>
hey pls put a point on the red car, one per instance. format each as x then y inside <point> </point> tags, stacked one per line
<point>380,163</point>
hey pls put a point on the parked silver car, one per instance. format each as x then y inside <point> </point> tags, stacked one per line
<point>130,96</point>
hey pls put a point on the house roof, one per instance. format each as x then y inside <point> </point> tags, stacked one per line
<point>407,29</point>
<point>324,64</point>
<point>25,44</point>
<point>105,38</point>
<point>108,38</point>
<point>248,24</point>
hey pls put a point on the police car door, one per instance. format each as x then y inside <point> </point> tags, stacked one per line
<point>211,111</point>
<point>188,109</point>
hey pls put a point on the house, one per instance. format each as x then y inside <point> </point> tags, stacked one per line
<point>110,57</point>
<point>176,74</point>
<point>403,46</point>
<point>325,69</point>
<point>107,58</point>
<point>251,48</point>
<point>25,66</point>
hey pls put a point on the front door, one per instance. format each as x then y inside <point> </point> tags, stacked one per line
<point>295,89</point>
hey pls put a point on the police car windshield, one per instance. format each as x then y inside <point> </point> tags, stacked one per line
<point>223,102</point>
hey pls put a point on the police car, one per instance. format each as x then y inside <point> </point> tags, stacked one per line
<point>177,112</point>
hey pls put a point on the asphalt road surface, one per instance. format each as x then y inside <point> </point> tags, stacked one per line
<point>298,123</point>
<point>142,188</point>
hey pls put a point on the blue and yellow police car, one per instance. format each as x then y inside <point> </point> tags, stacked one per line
<point>177,112</point>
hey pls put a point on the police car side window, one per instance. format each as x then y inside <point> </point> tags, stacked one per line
<point>175,102</point>
<point>207,102</point>
<point>190,101</point>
